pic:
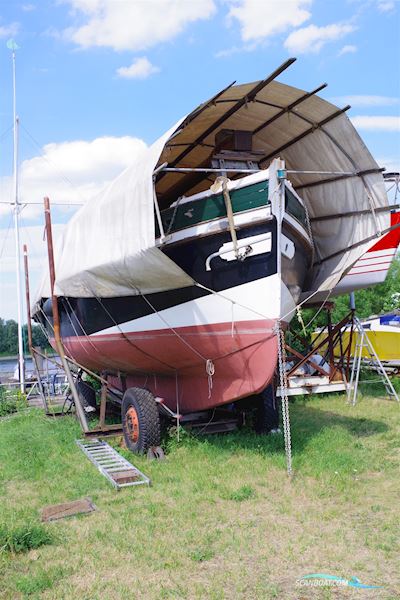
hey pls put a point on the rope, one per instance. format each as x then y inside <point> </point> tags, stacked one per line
<point>95,348</point>
<point>210,370</point>
<point>284,397</point>
<point>173,216</point>
<point>6,236</point>
<point>229,212</point>
<point>74,328</point>
<point>126,338</point>
<point>300,319</point>
<point>53,165</point>
<point>256,312</point>
<point>319,310</point>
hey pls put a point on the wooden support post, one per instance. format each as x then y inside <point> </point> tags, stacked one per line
<point>309,361</point>
<point>56,320</point>
<point>103,405</point>
<point>316,347</point>
<point>29,324</point>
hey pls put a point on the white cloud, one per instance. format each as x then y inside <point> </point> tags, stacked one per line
<point>133,25</point>
<point>391,163</point>
<point>348,49</point>
<point>28,7</point>
<point>70,172</point>
<point>386,5</point>
<point>141,68</point>
<point>370,123</point>
<point>32,236</point>
<point>226,52</point>
<point>9,30</point>
<point>259,20</point>
<point>312,38</point>
<point>366,100</point>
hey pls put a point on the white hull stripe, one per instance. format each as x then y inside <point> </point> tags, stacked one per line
<point>387,252</point>
<point>253,301</point>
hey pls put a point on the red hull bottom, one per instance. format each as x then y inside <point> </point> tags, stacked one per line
<point>174,364</point>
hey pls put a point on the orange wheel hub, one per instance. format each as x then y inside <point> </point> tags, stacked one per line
<point>132,424</point>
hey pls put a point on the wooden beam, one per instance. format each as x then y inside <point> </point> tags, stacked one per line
<point>248,98</point>
<point>301,356</point>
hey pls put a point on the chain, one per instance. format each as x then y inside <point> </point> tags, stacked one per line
<point>284,397</point>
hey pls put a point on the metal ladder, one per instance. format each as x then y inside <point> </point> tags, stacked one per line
<point>363,342</point>
<point>119,471</point>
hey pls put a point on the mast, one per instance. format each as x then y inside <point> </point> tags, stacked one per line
<point>16,208</point>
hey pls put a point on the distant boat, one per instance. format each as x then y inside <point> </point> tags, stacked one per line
<point>384,334</point>
<point>372,268</point>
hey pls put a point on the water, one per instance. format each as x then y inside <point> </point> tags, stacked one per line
<point>8,367</point>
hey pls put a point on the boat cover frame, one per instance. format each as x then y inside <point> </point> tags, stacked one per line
<point>108,248</point>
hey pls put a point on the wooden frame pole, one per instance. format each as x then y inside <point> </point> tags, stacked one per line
<point>56,320</point>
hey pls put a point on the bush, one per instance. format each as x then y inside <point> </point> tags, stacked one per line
<point>11,401</point>
<point>23,538</point>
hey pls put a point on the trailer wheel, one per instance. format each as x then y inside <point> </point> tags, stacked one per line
<point>267,413</point>
<point>140,420</point>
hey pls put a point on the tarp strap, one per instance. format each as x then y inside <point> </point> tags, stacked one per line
<point>229,214</point>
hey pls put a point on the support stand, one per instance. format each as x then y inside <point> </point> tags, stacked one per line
<point>364,343</point>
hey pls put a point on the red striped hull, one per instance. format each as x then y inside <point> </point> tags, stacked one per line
<point>244,359</point>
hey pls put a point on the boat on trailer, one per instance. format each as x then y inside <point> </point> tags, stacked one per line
<point>176,280</point>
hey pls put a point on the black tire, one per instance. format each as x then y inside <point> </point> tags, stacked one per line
<point>267,413</point>
<point>140,420</point>
<point>87,395</point>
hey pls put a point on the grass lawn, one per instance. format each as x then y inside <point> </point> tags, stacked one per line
<point>221,520</point>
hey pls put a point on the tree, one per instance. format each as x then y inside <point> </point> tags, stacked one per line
<point>381,298</point>
<point>9,337</point>
<point>39,338</point>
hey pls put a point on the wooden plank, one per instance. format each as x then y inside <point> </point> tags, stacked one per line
<point>67,509</point>
<point>125,476</point>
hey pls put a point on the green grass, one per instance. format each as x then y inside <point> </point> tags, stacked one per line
<point>24,538</point>
<point>11,401</point>
<point>221,520</point>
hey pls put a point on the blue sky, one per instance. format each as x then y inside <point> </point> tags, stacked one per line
<point>99,78</point>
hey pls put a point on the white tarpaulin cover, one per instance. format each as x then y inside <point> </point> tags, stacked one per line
<point>108,248</point>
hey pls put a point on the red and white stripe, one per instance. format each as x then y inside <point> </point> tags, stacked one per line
<point>372,268</point>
